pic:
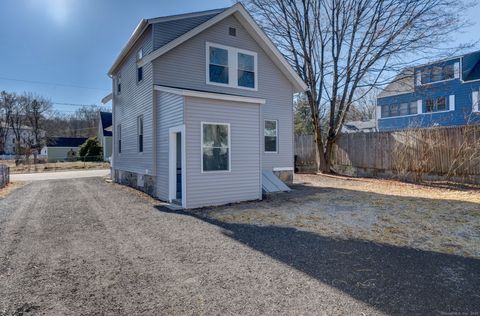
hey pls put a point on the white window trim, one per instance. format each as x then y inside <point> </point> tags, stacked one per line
<point>232,66</point>
<point>229,148</point>
<point>276,137</point>
<point>476,101</point>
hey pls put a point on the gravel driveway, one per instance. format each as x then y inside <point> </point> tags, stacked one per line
<point>82,246</point>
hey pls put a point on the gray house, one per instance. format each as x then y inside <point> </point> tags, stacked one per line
<point>202,109</point>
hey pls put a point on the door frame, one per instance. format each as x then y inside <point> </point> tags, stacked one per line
<point>172,164</point>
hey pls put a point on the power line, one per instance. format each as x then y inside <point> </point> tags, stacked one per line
<point>53,84</point>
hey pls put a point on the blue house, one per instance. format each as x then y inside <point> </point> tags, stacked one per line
<point>442,93</point>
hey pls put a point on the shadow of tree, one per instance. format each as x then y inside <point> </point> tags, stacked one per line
<point>396,280</point>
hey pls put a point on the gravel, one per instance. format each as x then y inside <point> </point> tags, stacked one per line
<point>83,246</point>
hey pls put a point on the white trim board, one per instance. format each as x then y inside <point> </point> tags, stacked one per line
<point>283,169</point>
<point>172,170</point>
<point>209,95</point>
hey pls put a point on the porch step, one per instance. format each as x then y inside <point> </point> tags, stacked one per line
<point>270,183</point>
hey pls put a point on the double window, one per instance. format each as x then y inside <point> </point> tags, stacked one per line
<point>140,133</point>
<point>437,73</point>
<point>232,67</point>
<point>399,109</point>
<point>437,104</point>
<point>270,136</point>
<point>215,147</point>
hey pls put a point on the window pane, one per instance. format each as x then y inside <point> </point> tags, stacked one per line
<point>426,74</point>
<point>270,143</point>
<point>413,108</point>
<point>270,128</point>
<point>215,159</point>
<point>385,111</point>
<point>246,62</point>
<point>218,74</point>
<point>404,109</point>
<point>448,72</point>
<point>437,73</point>
<point>246,79</point>
<point>394,110</point>
<point>139,73</point>
<point>430,107</point>
<point>218,56</point>
<point>215,135</point>
<point>441,104</point>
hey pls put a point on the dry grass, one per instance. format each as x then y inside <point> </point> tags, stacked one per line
<point>54,166</point>
<point>12,186</point>
<point>381,211</point>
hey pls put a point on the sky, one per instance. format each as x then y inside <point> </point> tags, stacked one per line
<point>62,49</point>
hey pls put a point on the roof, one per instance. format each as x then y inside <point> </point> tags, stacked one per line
<point>215,16</point>
<point>66,141</point>
<point>404,82</point>
<point>106,120</point>
<point>355,126</point>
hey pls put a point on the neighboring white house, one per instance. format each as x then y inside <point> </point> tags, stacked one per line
<point>104,134</point>
<point>26,136</point>
<point>360,126</point>
<point>203,109</point>
<point>62,148</point>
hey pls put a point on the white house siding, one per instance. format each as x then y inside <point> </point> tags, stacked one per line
<point>135,99</point>
<point>169,114</point>
<point>185,67</point>
<point>243,182</point>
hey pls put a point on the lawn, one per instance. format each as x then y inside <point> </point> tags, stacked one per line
<point>380,211</point>
<point>54,166</point>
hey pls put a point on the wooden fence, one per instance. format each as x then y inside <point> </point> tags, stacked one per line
<point>305,155</point>
<point>4,175</point>
<point>452,152</point>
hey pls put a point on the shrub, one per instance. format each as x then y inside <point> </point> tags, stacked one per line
<point>91,150</point>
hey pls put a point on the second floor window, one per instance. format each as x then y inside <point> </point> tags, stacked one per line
<point>140,133</point>
<point>139,68</point>
<point>400,109</point>
<point>436,104</point>
<point>437,73</point>
<point>231,67</point>
<point>119,85</point>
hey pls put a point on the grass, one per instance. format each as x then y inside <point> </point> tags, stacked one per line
<point>54,166</point>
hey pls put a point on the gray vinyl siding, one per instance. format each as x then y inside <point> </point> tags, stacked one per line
<point>243,182</point>
<point>165,32</point>
<point>185,67</point>
<point>135,99</point>
<point>169,114</point>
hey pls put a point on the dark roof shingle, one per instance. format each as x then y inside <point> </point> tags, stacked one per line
<point>65,141</point>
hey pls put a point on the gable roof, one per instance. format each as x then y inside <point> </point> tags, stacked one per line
<point>239,11</point>
<point>66,141</point>
<point>106,121</point>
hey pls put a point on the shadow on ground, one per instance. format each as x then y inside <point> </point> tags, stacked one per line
<point>395,280</point>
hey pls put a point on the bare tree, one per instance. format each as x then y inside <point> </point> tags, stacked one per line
<point>339,46</point>
<point>17,123</point>
<point>7,101</point>
<point>35,111</point>
<point>364,108</point>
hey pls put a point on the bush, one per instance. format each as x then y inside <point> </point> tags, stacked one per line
<point>91,150</point>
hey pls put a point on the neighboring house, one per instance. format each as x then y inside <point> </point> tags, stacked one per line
<point>202,109</point>
<point>62,148</point>
<point>104,134</point>
<point>26,136</point>
<point>443,93</point>
<point>360,126</point>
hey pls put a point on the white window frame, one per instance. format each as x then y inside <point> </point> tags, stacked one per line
<point>139,57</point>
<point>276,137</point>
<point>229,148</point>
<point>232,66</point>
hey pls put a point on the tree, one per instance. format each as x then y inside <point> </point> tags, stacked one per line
<point>91,149</point>
<point>35,110</point>
<point>7,102</point>
<point>17,123</point>
<point>339,46</point>
<point>364,109</point>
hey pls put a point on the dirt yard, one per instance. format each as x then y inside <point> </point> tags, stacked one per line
<point>54,166</point>
<point>381,211</point>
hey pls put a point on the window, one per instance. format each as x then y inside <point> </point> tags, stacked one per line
<point>246,71</point>
<point>119,138</point>
<point>270,135</point>
<point>413,108</point>
<point>394,110</point>
<point>119,85</point>
<point>232,67</point>
<point>385,111</point>
<point>215,147</point>
<point>437,73</point>
<point>436,104</point>
<point>218,65</point>
<point>404,109</point>
<point>140,133</point>
<point>139,69</point>
<point>232,31</point>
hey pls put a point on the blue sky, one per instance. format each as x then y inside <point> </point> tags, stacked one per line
<point>65,47</point>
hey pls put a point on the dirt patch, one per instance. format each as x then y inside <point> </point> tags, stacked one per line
<point>12,186</point>
<point>380,211</point>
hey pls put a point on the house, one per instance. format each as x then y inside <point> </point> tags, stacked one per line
<point>360,126</point>
<point>62,148</point>
<point>26,137</point>
<point>202,109</point>
<point>104,134</point>
<point>442,93</point>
